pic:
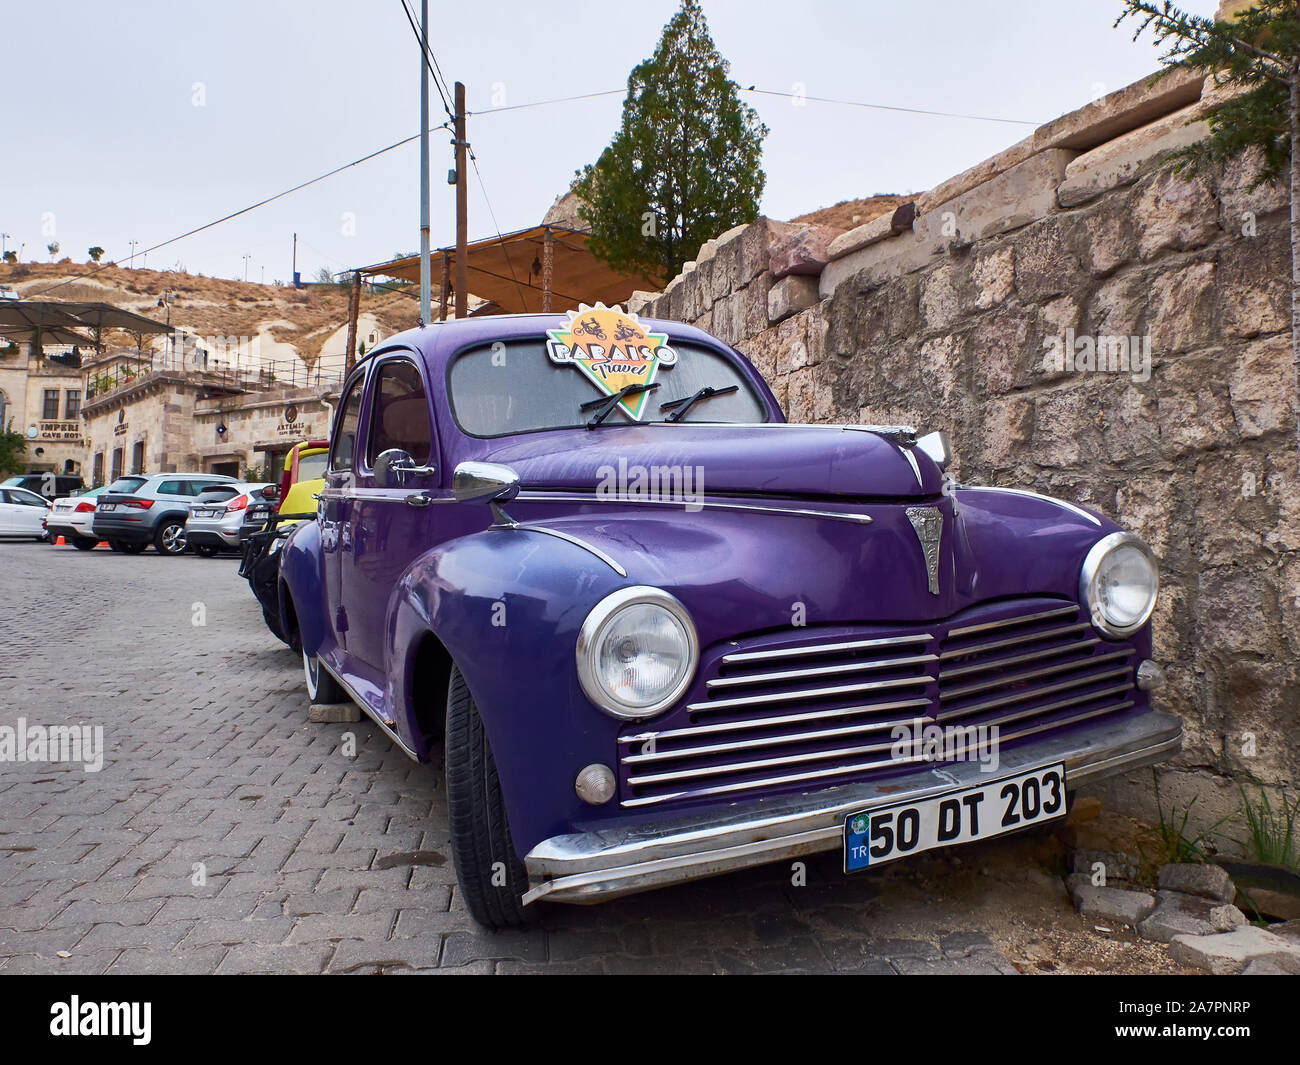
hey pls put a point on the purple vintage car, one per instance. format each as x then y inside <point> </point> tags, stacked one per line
<point>657,633</point>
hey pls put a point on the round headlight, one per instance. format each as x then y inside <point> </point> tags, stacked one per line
<point>1119,584</point>
<point>637,652</point>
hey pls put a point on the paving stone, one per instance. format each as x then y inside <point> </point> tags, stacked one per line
<point>1113,905</point>
<point>333,712</point>
<point>1197,878</point>
<point>298,842</point>
<point>1230,952</point>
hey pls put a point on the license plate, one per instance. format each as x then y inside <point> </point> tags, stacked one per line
<point>205,513</point>
<point>874,837</point>
<point>105,507</point>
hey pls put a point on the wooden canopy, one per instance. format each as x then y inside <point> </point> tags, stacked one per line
<point>510,272</point>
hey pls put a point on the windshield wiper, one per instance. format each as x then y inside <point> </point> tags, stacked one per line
<point>608,403</point>
<point>683,405</point>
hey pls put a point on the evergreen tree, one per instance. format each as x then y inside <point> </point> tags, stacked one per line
<point>685,164</point>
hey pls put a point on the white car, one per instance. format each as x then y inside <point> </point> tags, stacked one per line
<point>22,513</point>
<point>72,517</point>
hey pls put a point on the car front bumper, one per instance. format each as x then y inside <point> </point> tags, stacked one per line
<point>603,864</point>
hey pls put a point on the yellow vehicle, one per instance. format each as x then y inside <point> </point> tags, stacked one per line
<point>303,478</point>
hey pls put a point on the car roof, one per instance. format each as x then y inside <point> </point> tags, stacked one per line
<point>438,341</point>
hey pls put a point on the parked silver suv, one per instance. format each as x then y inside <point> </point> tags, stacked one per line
<point>138,510</point>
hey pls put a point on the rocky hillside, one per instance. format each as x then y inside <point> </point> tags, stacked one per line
<point>213,306</point>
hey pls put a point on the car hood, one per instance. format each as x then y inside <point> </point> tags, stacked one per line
<point>776,459</point>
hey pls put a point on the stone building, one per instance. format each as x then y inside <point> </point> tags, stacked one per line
<point>41,399</point>
<point>167,421</point>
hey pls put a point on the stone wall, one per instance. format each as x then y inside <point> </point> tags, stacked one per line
<point>941,315</point>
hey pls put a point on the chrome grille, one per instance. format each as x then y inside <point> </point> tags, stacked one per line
<point>820,712</point>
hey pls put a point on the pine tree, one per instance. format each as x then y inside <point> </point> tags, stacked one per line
<point>685,164</point>
<point>1258,53</point>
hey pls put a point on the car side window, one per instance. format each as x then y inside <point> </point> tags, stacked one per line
<point>400,415</point>
<point>173,488</point>
<point>341,453</point>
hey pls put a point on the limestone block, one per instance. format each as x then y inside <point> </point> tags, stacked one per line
<point>791,295</point>
<point>1120,111</point>
<point>1120,161</point>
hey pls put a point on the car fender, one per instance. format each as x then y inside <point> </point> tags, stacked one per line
<point>507,604</point>
<point>302,579</point>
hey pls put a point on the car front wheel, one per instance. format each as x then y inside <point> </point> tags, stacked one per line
<point>491,876</point>
<point>83,544</point>
<point>170,538</point>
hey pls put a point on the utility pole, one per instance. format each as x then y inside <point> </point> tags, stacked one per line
<point>3,238</point>
<point>133,243</point>
<point>462,222</point>
<point>246,258</point>
<point>424,162</point>
<point>293,275</point>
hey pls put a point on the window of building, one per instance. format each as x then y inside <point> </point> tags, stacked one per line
<point>72,403</point>
<point>50,405</point>
<point>117,463</point>
<point>400,418</point>
<point>137,457</point>
<point>97,476</point>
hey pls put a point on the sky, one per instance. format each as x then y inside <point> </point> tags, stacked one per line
<point>139,120</point>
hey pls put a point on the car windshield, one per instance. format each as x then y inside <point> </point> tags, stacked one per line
<point>514,387</point>
<point>125,484</point>
<point>312,467</point>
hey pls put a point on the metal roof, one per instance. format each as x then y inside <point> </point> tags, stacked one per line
<point>506,271</point>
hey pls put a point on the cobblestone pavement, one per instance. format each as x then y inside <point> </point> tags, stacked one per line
<point>315,862</point>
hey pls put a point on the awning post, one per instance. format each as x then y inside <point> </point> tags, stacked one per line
<point>548,262</point>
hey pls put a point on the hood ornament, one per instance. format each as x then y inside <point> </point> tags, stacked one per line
<point>927,523</point>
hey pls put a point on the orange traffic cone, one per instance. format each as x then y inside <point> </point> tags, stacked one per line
<point>60,542</point>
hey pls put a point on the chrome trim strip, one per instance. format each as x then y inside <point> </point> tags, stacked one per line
<point>825,671</point>
<point>810,693</point>
<point>798,512</point>
<point>1033,495</point>
<point>364,707</point>
<point>592,866</point>
<point>770,782</point>
<point>823,649</point>
<point>380,495</point>
<point>1033,674</point>
<point>1020,697</point>
<point>967,630</point>
<point>1039,711</point>
<point>783,719</point>
<point>1014,641</point>
<point>767,741</point>
<point>911,461</point>
<point>1032,656</point>
<point>525,527</point>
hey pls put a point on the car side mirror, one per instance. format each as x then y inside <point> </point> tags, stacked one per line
<point>271,492</point>
<point>394,466</point>
<point>938,447</point>
<point>484,482</point>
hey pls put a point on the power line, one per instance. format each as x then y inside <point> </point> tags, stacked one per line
<point>889,107</point>
<point>428,55</point>
<point>543,103</point>
<point>244,210</point>
<point>495,225</point>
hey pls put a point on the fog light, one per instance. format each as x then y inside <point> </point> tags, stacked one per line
<point>1149,675</point>
<point>595,784</point>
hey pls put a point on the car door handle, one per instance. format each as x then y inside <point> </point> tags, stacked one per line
<point>418,499</point>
